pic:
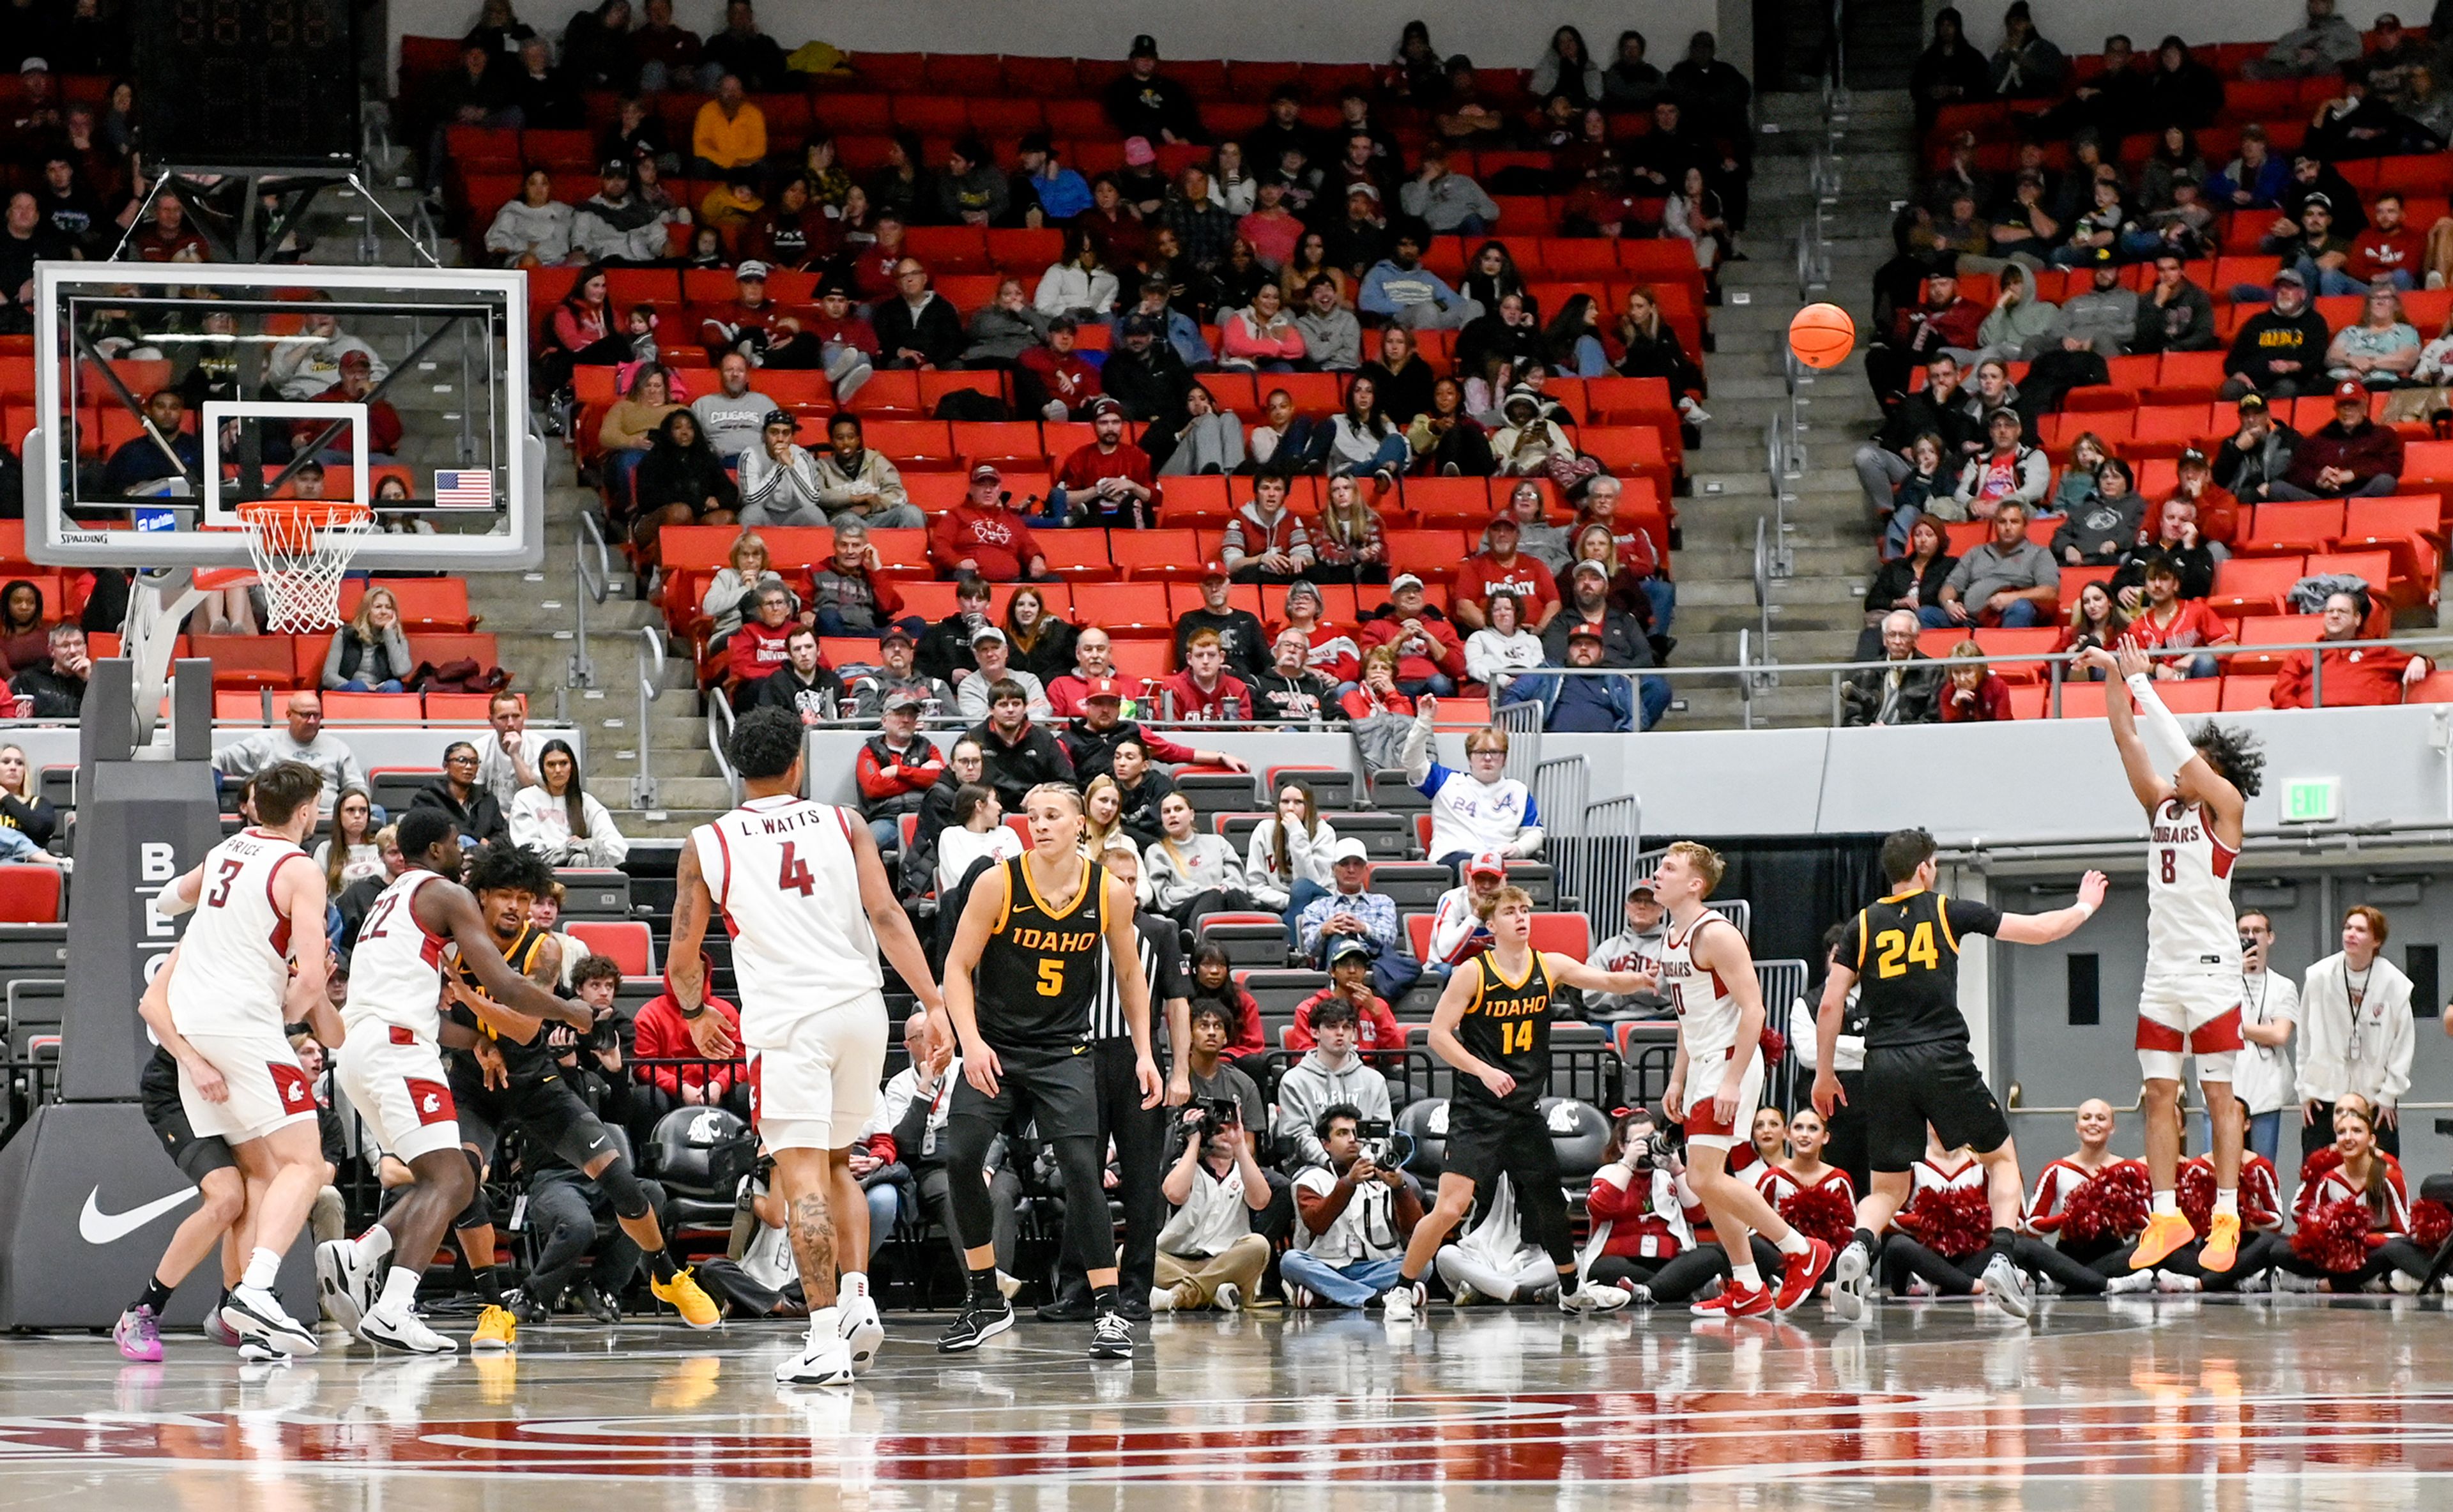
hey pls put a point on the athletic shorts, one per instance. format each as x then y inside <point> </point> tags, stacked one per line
<point>1485,1143</point>
<point>1058,1090</point>
<point>268,1087</point>
<point>2185,1013</point>
<point>813,1078</point>
<point>197,1156</point>
<point>397,1083</point>
<point>548,1111</point>
<point>1703,1125</point>
<point>1907,1086</point>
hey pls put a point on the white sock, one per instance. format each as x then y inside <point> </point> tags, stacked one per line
<point>399,1292</point>
<point>1795,1244</point>
<point>374,1245</point>
<point>1747,1276</point>
<point>2168,1204</point>
<point>825,1324</point>
<point>2228,1202</point>
<point>263,1269</point>
<point>852,1283</point>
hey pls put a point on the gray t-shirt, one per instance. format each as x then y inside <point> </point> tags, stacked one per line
<point>1988,569</point>
<point>732,426</point>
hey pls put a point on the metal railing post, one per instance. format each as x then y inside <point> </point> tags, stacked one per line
<point>652,677</point>
<point>595,583</point>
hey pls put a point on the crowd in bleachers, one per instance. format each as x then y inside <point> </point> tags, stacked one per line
<point>2159,358</point>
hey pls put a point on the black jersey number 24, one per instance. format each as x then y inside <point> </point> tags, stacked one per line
<point>1893,950</point>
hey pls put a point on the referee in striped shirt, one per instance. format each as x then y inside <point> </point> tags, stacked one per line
<point>1140,1133</point>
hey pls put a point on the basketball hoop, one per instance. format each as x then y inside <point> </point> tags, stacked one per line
<point>301,551</point>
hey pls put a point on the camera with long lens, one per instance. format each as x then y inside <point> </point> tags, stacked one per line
<point>1653,1150</point>
<point>1216,1113</point>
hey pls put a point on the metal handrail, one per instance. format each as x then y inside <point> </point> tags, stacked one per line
<point>652,677</point>
<point>719,735</point>
<point>595,584</point>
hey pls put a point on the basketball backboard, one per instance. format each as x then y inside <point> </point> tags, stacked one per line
<point>166,395</point>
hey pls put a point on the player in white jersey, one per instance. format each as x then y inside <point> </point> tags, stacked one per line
<point>1708,973</point>
<point>251,963</point>
<point>2195,791</point>
<point>802,888</point>
<point>391,1069</point>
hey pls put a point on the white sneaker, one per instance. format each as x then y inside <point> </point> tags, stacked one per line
<point>862,1330</point>
<point>2403,1284</point>
<point>1460,1295</point>
<point>1401,1301</point>
<point>257,1314</point>
<point>824,1359</point>
<point>2292,1281</point>
<point>1162,1298</point>
<point>343,1283</point>
<point>2129,1280</point>
<point>1848,1272</point>
<point>403,1330</point>
<point>1637,1294</point>
<point>1228,1298</point>
<point>1592,1299</point>
<point>256,1352</point>
<point>2006,1284</point>
<point>1301,1297</point>
<point>2173,1282</point>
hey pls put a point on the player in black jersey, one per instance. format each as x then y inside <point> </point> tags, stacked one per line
<point>1494,1027</point>
<point>1036,943</point>
<point>1902,953</point>
<point>502,1081</point>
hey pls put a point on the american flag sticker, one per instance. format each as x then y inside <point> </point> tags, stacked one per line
<point>466,490</point>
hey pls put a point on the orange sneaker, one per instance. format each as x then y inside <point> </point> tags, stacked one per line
<point>2165,1232</point>
<point>2222,1244</point>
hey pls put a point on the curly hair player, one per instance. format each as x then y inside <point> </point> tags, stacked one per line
<point>1919,1070</point>
<point>2195,790</point>
<point>1493,1027</point>
<point>787,872</point>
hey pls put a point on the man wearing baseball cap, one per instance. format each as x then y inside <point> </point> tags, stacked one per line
<point>2219,515</point>
<point>1588,704</point>
<point>1150,371</point>
<point>1239,632</point>
<point>2348,455</point>
<point>1091,737</point>
<point>1107,481</point>
<point>1461,925</point>
<point>355,385</point>
<point>2280,351</point>
<point>1068,385</point>
<point>1145,102</point>
<point>899,677</point>
<point>2256,456</point>
<point>1637,947</point>
<point>1355,912</point>
<point>985,536</point>
<point>615,225</point>
<point>1430,657</point>
<point>994,654</point>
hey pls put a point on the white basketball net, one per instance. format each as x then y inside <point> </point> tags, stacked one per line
<point>300,553</point>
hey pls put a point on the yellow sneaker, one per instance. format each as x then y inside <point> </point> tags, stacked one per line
<point>687,1298</point>
<point>496,1329</point>
<point>2222,1244</point>
<point>2165,1232</point>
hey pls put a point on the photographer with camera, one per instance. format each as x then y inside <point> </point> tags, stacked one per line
<point>1207,1254</point>
<point>1644,1215</point>
<point>1331,1074</point>
<point>1358,1210</point>
<point>1211,1079</point>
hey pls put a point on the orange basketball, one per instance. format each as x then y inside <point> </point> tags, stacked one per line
<point>1822,335</point>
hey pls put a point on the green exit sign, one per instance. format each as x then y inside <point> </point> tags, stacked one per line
<point>2311,800</point>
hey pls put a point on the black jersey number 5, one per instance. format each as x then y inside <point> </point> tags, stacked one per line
<point>1892,950</point>
<point>1051,978</point>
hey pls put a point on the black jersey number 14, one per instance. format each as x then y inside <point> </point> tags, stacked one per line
<point>1893,950</point>
<point>1516,1037</point>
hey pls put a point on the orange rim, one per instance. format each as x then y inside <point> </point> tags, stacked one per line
<point>289,524</point>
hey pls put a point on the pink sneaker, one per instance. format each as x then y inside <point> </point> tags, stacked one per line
<point>138,1335</point>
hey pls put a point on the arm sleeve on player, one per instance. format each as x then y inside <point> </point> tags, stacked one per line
<point>2166,743</point>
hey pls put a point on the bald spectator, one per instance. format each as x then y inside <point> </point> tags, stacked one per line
<point>302,739</point>
<point>2353,676</point>
<point>916,328</point>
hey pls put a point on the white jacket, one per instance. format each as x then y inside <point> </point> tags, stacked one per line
<point>304,366</point>
<point>539,821</point>
<point>1490,657</point>
<point>2369,1054</point>
<point>519,225</point>
<point>2261,1076</point>
<point>1065,289</point>
<point>1306,856</point>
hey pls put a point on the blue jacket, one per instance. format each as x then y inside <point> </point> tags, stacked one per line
<point>1062,197</point>
<point>1183,333</point>
<point>1603,705</point>
<point>2263,190</point>
<point>1388,287</point>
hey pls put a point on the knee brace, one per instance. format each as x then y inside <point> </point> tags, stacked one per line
<point>622,1187</point>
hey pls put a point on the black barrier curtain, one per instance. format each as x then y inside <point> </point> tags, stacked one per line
<point>1800,887</point>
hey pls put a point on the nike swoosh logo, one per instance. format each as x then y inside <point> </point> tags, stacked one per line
<point>98,1228</point>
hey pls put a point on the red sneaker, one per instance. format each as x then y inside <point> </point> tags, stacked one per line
<point>1735,1302</point>
<point>1800,1275</point>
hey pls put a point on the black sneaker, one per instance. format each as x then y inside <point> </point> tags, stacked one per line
<point>1111,1338</point>
<point>528,1311</point>
<point>599,1305</point>
<point>1136,1309</point>
<point>975,1326</point>
<point>1065,1309</point>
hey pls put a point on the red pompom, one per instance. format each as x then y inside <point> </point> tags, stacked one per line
<point>1953,1224</point>
<point>1821,1212</point>
<point>1775,1046</point>
<point>2431,1222</point>
<point>2197,1196</point>
<point>2109,1204</point>
<point>2334,1236</point>
<point>2318,1164</point>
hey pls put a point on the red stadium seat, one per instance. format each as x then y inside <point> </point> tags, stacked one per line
<point>2253,585</point>
<point>625,940</point>
<point>30,894</point>
<point>2279,529</point>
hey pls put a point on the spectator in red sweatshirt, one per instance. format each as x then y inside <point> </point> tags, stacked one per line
<point>1350,970</point>
<point>983,537</point>
<point>2352,455</point>
<point>1975,695</point>
<point>1202,688</point>
<point>1105,477</point>
<point>763,644</point>
<point>1065,376</point>
<point>660,1034</point>
<point>2354,675</point>
<point>1430,659</point>
<point>896,767</point>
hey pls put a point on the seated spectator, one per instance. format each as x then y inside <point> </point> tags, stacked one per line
<point>1142,787</point>
<point>2257,457</point>
<point>851,598</point>
<point>1205,689</point>
<point>1067,379</point>
<point>752,653</point>
<point>1261,339</point>
<point>681,481</point>
<point>1361,440</point>
<point>1286,863</point>
<point>2350,455</point>
<point>1214,989</point>
<point>1208,1255</point>
<point>1495,345</point>
<point>59,690</point>
<point>2092,236</point>
<point>733,593</point>
<point>2184,226</point>
<point>729,133</point>
<point>1530,437</point>
<point>726,212</point>
<point>1044,192</point>
<point>2105,521</point>
<point>1290,690</point>
<point>1210,442</point>
<point>1334,652</point>
<point>1911,581</point>
<point>804,686</point>
<point>2279,352</point>
<point>628,433</point>
<point>2008,471</point>
<point>1271,228</point>
<point>1147,375</point>
<point>1093,661</point>
<point>1265,542</point>
<point>370,654</point>
<point>1350,992</point>
<point>1399,291</point>
<point>991,652</point>
<point>168,237</point>
<point>1191,872</point>
<point>2104,316</point>
<point>2025,67</point>
<point>2388,251</point>
<point>2320,46</point>
<point>615,226</point>
<point>1376,695</point>
<point>1037,640</point>
<point>896,769</point>
<point>971,191</point>
<point>734,414</point>
<point>1104,481</point>
<point>896,674</point>
<point>1973,693</point>
<point>915,328</point>
<point>2310,246</point>
<point>1430,657</point>
<point>2165,623</point>
<point>985,536</point>
<point>977,834</point>
<point>779,480</point>
<point>1332,339</point>
<point>2218,516</point>
<point>847,344</point>
<point>2095,620</point>
<point>857,485</point>
<point>2026,228</point>
<point>1940,409</point>
<point>2358,676</point>
<point>330,440</point>
<point>533,230</point>
<point>1946,322</point>
<point>560,819</point>
<point>1077,283</point>
<point>1400,376</point>
<point>2381,350</point>
<point>1447,203</point>
<point>666,1058</point>
<point>1592,705</point>
<point>1589,606</point>
<point>1500,568</point>
<point>1355,1216</point>
<point>1502,647</point>
<point>1330,1023</point>
<point>470,805</point>
<point>2005,581</point>
<point>1238,630</point>
<point>2177,540</point>
<point>1898,691</point>
<point>1004,328</point>
<point>1346,539</point>
<point>58,686</point>
<point>2020,324</point>
<point>25,809</point>
<point>1017,755</point>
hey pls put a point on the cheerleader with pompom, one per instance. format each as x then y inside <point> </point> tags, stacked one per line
<point>2262,1247</point>
<point>1947,1223</point>
<point>2353,1215</point>
<point>1818,1199</point>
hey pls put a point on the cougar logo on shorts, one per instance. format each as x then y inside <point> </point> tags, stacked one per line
<point>432,1100</point>
<point>291,1081</point>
